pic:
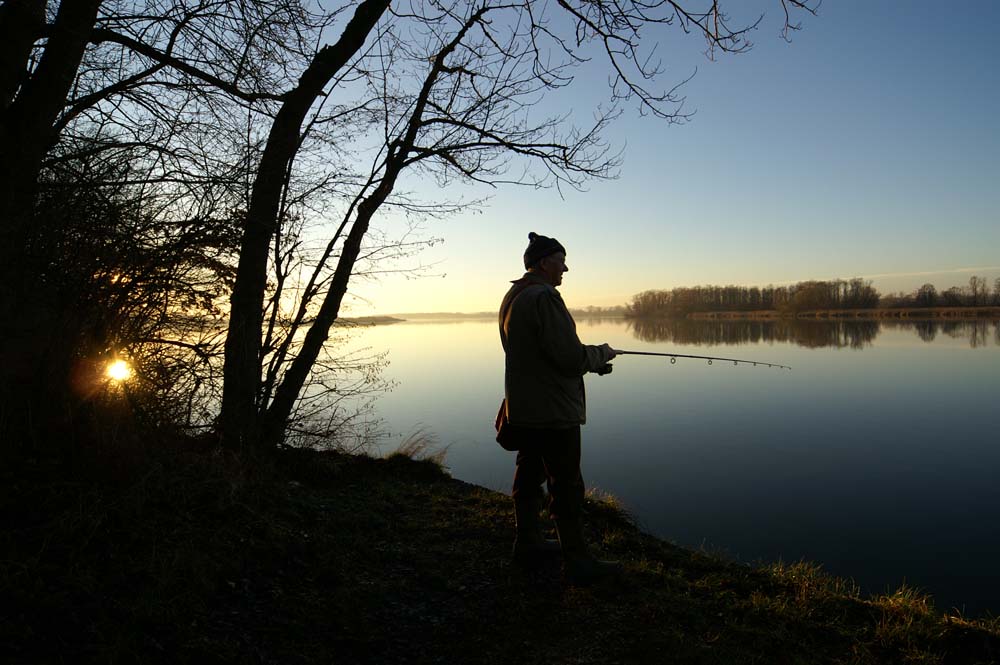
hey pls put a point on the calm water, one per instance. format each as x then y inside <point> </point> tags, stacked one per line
<point>877,456</point>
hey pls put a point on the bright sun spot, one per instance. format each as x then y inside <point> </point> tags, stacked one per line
<point>119,370</point>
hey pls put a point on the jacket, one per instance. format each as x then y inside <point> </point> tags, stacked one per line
<point>545,360</point>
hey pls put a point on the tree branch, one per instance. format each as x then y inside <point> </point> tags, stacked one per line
<point>101,35</point>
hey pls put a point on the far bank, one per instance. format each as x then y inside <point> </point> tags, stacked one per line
<point>914,313</point>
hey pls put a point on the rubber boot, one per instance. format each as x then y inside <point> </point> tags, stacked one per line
<point>579,564</point>
<point>530,545</point>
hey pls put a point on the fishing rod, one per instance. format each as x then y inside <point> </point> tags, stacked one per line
<point>674,356</point>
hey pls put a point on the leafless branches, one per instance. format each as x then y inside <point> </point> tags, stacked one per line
<point>300,120</point>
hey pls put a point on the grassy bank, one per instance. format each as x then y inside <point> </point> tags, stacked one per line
<point>327,558</point>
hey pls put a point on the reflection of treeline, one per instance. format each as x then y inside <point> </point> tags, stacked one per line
<point>852,294</point>
<point>810,333</point>
<point>710,332</point>
<point>979,333</point>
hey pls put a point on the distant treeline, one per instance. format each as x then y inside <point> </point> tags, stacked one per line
<point>852,294</point>
<point>591,312</point>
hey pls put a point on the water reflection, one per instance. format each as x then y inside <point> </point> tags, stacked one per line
<point>873,464</point>
<point>809,333</point>
<point>979,332</point>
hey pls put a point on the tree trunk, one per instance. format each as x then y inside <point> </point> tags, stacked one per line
<point>21,23</point>
<point>33,375</point>
<point>26,125</point>
<point>276,418</point>
<point>240,415</point>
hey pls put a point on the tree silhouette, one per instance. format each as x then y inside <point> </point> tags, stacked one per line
<point>248,106</point>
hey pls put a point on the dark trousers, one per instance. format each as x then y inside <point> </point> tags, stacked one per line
<point>550,456</point>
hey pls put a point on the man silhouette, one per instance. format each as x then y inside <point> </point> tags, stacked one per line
<point>545,406</point>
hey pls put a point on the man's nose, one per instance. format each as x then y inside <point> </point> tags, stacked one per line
<point>565,268</point>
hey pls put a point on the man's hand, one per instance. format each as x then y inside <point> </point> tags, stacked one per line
<point>606,348</point>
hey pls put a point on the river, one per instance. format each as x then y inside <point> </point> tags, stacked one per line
<point>876,456</point>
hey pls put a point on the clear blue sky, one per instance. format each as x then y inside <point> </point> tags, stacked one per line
<point>866,147</point>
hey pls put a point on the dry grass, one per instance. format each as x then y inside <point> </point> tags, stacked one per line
<point>421,446</point>
<point>327,558</point>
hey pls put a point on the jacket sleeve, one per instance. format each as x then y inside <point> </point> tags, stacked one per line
<point>559,342</point>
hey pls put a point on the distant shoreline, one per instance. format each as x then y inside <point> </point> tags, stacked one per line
<point>370,320</point>
<point>876,313</point>
<point>908,313</point>
<point>426,317</point>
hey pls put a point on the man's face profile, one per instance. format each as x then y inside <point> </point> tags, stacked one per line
<point>553,266</point>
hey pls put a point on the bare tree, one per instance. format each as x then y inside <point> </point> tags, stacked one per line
<point>242,104</point>
<point>161,85</point>
<point>953,297</point>
<point>453,86</point>
<point>926,296</point>
<point>978,291</point>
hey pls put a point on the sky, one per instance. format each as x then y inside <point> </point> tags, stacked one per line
<point>866,147</point>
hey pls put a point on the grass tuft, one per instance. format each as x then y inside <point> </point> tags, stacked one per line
<point>421,446</point>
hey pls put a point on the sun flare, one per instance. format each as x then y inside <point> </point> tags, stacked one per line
<point>119,370</point>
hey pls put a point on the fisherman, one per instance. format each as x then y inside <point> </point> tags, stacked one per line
<point>544,408</point>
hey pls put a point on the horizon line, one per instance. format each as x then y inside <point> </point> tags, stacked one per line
<point>886,275</point>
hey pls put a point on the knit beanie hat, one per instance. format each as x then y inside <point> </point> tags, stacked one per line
<point>539,247</point>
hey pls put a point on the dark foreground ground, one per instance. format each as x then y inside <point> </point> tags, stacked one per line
<point>327,558</point>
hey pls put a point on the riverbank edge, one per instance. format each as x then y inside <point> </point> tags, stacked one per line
<point>326,557</point>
